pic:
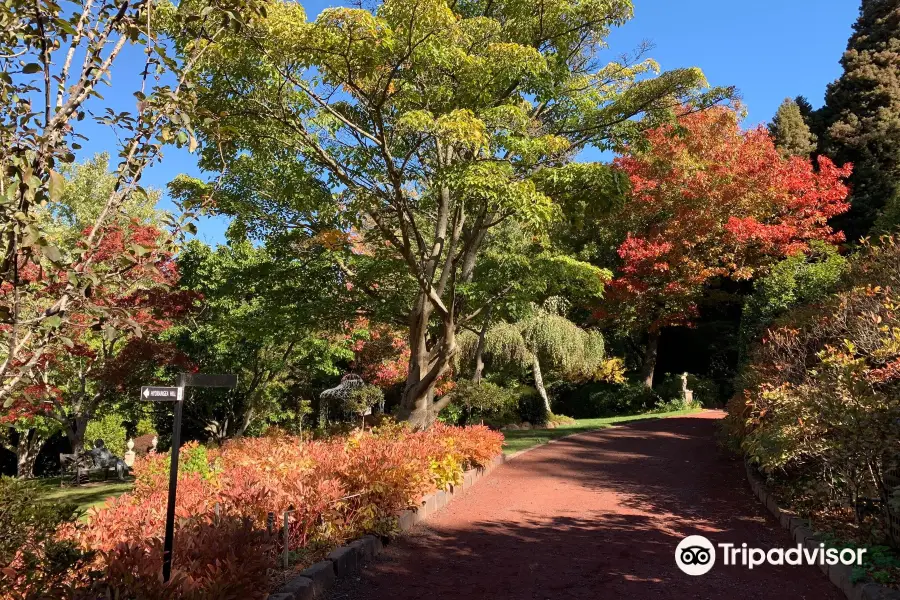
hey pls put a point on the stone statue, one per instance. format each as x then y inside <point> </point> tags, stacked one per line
<point>104,459</point>
<point>686,394</point>
<point>130,455</point>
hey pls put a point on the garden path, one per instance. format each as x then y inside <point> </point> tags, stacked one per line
<point>596,515</point>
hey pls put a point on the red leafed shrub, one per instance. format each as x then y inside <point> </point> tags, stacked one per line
<point>476,444</point>
<point>225,559</point>
<point>338,489</point>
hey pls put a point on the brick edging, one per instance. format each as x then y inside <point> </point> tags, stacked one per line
<point>799,528</point>
<point>314,581</point>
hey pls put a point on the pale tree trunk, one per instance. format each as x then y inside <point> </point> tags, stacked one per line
<point>539,382</point>
<point>453,251</point>
<point>426,366</point>
<point>27,449</point>
<point>479,348</point>
<point>650,359</point>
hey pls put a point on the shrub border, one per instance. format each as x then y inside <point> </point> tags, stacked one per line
<point>800,530</point>
<point>314,581</point>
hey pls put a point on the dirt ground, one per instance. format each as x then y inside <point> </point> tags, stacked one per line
<point>595,516</point>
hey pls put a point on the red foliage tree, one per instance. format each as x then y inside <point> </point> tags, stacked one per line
<point>110,334</point>
<point>709,200</point>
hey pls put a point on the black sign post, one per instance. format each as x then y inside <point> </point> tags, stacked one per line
<point>176,394</point>
<point>173,482</point>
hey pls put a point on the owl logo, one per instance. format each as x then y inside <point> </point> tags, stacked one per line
<point>695,555</point>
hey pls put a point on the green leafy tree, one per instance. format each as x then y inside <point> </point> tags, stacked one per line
<point>87,184</point>
<point>862,113</point>
<point>111,429</point>
<point>542,340</point>
<point>476,400</point>
<point>515,271</point>
<point>798,279</point>
<point>23,431</point>
<point>265,318</point>
<point>429,123</point>
<point>790,132</point>
<point>361,400</point>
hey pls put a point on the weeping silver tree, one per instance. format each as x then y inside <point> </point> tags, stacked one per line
<point>544,339</point>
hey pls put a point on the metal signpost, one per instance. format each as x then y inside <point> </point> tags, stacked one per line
<point>176,394</point>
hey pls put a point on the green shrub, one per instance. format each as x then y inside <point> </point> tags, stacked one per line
<point>362,399</point>
<point>530,406</point>
<point>194,458</point>
<point>483,401</point>
<point>674,404</point>
<point>111,429</point>
<point>145,426</point>
<point>798,279</point>
<point>452,414</point>
<point>560,420</point>
<point>33,562</point>
<point>601,399</point>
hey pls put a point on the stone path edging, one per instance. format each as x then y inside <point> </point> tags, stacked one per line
<point>838,574</point>
<point>314,581</point>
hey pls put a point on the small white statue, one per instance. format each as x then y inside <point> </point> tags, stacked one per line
<point>130,455</point>
<point>686,394</point>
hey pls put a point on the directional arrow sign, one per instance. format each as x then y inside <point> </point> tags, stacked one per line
<point>150,392</point>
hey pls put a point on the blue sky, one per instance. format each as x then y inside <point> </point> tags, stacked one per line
<point>769,49</point>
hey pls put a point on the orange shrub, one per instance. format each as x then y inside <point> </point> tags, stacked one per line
<point>338,489</point>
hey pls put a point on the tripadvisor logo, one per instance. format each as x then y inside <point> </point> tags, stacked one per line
<point>696,555</point>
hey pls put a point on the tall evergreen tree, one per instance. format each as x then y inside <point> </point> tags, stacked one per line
<point>790,131</point>
<point>812,117</point>
<point>863,116</point>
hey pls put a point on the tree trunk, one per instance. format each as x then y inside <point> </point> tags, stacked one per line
<point>30,443</point>
<point>650,359</point>
<point>245,423</point>
<point>479,349</point>
<point>423,413</point>
<point>539,382</point>
<point>426,366</point>
<point>75,430</point>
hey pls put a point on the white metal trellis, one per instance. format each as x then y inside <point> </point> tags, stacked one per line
<point>341,392</point>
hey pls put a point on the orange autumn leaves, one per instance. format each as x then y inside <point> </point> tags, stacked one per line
<point>338,488</point>
<point>710,200</point>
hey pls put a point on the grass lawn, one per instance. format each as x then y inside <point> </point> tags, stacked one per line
<point>518,440</point>
<point>87,495</point>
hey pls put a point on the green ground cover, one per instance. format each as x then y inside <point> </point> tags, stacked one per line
<point>518,440</point>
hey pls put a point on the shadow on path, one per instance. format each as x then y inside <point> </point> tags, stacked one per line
<point>595,516</point>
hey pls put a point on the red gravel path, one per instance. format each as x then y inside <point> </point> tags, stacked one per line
<point>595,516</point>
